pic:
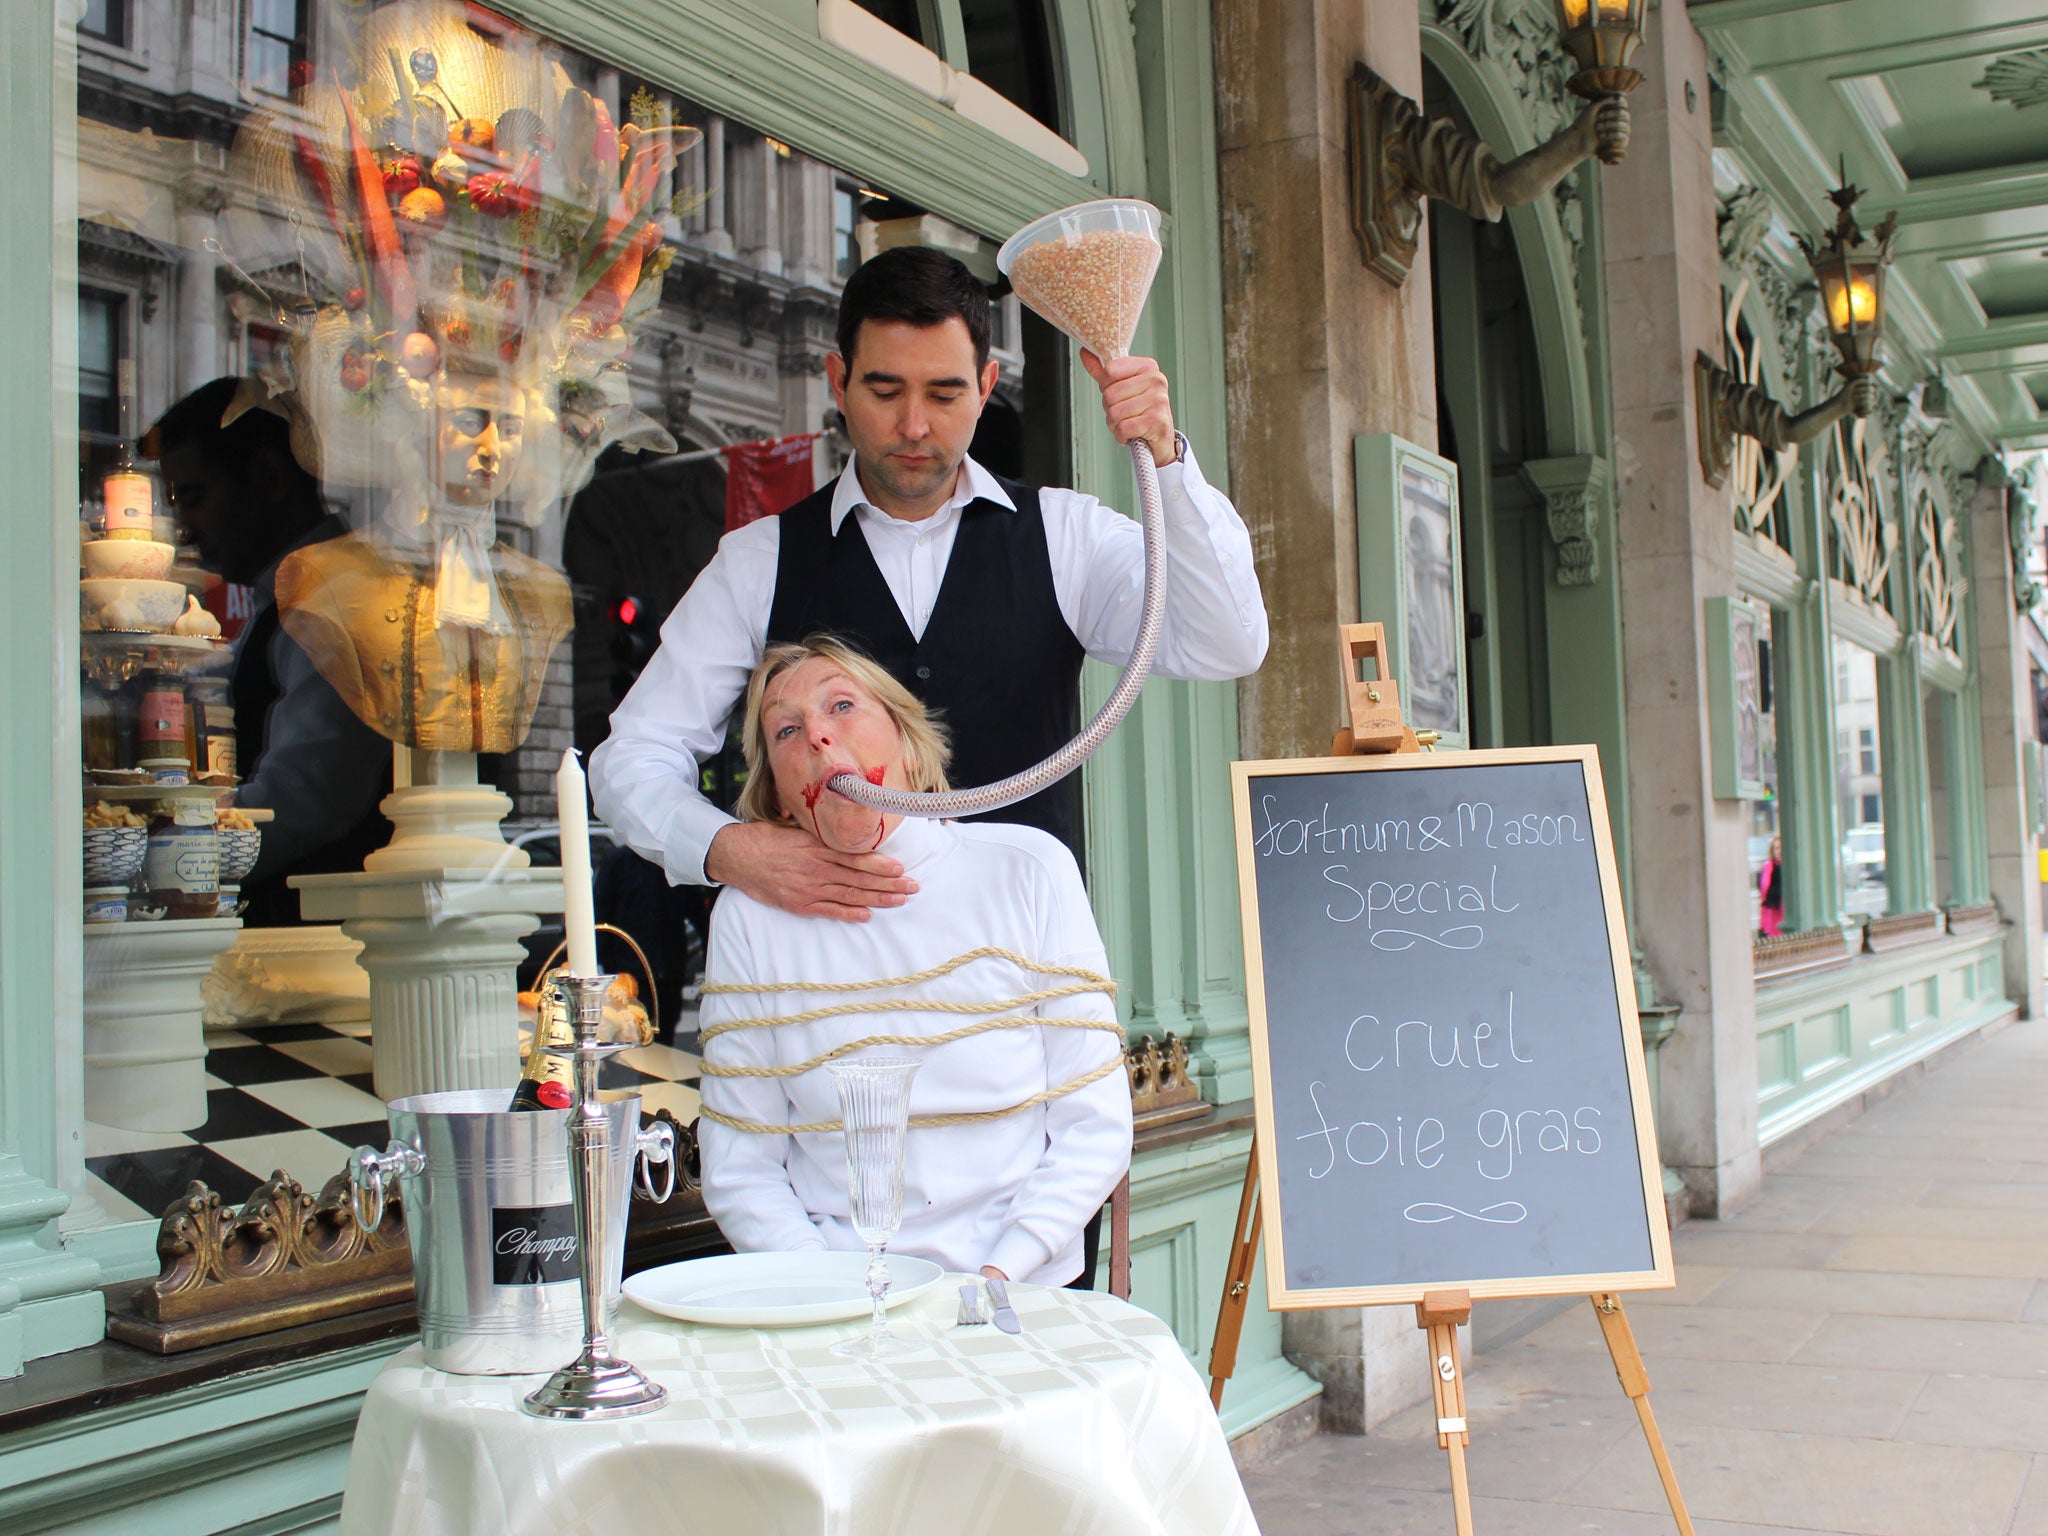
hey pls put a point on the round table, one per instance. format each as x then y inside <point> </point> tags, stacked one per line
<point>1091,1422</point>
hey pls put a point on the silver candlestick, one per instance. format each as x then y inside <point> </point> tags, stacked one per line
<point>598,1385</point>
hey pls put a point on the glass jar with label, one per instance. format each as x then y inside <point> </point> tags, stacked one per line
<point>181,871</point>
<point>213,717</point>
<point>162,724</point>
<point>109,739</point>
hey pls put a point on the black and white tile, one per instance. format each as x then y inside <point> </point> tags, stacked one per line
<point>299,1097</point>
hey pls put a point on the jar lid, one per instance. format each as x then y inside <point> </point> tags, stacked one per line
<point>105,891</point>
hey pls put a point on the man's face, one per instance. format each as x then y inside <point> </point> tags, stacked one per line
<point>480,428</point>
<point>225,521</point>
<point>911,396</point>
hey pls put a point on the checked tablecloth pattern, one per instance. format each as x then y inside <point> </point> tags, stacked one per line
<point>1090,1423</point>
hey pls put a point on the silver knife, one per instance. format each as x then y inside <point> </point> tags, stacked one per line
<point>1006,1315</point>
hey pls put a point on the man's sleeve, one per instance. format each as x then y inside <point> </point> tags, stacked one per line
<point>1215,626</point>
<point>322,768</point>
<point>643,780</point>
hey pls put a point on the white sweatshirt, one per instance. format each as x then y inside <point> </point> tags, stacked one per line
<point>1013,1192</point>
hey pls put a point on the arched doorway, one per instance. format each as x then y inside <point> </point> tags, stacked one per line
<point>1491,421</point>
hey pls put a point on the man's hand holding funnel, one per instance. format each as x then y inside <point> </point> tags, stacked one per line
<point>1134,400</point>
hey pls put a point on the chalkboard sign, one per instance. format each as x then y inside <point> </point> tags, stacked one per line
<point>1448,1069</point>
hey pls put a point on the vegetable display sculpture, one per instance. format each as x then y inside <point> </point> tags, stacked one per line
<point>457,243</point>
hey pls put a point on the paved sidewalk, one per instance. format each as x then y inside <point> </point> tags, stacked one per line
<point>1863,1348</point>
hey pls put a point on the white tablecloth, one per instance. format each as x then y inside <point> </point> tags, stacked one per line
<point>1090,1423</point>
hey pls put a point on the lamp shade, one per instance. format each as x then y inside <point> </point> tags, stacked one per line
<point>1602,36</point>
<point>1850,268</point>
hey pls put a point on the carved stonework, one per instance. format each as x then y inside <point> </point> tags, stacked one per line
<point>1397,159</point>
<point>1573,491</point>
<point>1854,483</point>
<point>1519,38</point>
<point>1981,918</point>
<point>1938,581</point>
<point>281,1259</point>
<point>1756,473</point>
<point>1162,1090</point>
<point>1783,954</point>
<point>2022,529</point>
<point>2020,78</point>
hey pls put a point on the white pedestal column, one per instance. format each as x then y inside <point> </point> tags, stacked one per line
<point>442,949</point>
<point>145,1043</point>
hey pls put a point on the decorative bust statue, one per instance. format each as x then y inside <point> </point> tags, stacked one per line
<point>465,279</point>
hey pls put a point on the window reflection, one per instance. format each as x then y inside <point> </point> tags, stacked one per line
<point>1757,731</point>
<point>1859,781</point>
<point>413,355</point>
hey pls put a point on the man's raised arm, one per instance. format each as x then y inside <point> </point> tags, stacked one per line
<point>643,780</point>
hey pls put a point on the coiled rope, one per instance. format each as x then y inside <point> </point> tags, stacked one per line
<point>1085,982</point>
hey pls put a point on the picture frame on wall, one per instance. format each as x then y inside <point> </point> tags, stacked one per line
<point>1411,577</point>
<point>1738,696</point>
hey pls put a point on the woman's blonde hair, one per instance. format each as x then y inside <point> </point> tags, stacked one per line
<point>925,752</point>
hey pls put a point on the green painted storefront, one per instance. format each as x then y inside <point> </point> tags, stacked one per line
<point>1157,103</point>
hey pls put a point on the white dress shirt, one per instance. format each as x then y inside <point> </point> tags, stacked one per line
<point>1014,1191</point>
<point>644,778</point>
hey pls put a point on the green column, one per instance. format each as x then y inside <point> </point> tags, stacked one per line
<point>47,1300</point>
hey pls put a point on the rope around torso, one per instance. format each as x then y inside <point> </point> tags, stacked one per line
<point>1085,982</point>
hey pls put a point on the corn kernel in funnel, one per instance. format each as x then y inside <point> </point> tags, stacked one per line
<point>1088,270</point>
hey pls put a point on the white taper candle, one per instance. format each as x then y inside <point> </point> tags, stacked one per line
<point>579,912</point>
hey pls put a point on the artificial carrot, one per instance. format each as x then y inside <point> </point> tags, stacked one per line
<point>606,300</point>
<point>380,231</point>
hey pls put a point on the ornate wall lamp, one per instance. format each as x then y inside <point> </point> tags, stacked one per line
<point>1849,267</point>
<point>1398,158</point>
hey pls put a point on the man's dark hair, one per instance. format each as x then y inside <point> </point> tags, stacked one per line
<point>920,286</point>
<point>195,422</point>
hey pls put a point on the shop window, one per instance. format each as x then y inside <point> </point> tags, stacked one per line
<point>100,317</point>
<point>277,44</point>
<point>906,16</point>
<point>845,231</point>
<point>1859,782</point>
<point>1766,852</point>
<point>106,20</point>
<point>1009,49</point>
<point>441,502</point>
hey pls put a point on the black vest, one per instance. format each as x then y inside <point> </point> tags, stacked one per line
<point>997,664</point>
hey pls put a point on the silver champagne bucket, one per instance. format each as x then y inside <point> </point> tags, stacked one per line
<point>491,1217</point>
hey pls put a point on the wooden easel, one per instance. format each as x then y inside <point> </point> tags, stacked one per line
<point>1377,727</point>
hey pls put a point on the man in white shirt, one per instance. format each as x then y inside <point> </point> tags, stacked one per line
<point>980,595</point>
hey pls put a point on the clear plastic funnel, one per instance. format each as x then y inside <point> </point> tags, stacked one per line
<point>1087,269</point>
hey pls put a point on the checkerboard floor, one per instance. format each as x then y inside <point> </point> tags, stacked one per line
<point>298,1097</point>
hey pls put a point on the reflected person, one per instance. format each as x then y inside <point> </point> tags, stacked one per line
<point>300,751</point>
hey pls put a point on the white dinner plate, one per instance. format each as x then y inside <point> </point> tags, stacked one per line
<point>775,1290</point>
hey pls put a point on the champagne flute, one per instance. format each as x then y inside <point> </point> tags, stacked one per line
<point>874,1101</point>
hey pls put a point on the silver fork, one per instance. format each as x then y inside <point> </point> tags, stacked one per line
<point>970,1314</point>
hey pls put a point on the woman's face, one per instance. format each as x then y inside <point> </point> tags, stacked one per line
<point>818,722</point>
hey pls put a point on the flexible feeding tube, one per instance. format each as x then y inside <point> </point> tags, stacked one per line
<point>1021,786</point>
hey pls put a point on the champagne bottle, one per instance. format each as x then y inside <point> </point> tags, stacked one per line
<point>547,1081</point>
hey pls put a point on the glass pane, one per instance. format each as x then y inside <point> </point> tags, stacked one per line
<point>1935,715</point>
<point>904,15</point>
<point>106,20</point>
<point>280,18</point>
<point>1009,49</point>
<point>409,493</point>
<point>270,65</point>
<point>1757,726</point>
<point>1859,781</point>
<point>99,358</point>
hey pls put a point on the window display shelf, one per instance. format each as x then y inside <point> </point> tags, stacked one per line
<point>130,794</point>
<point>112,658</point>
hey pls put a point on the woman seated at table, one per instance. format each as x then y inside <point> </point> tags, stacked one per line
<point>993,974</point>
